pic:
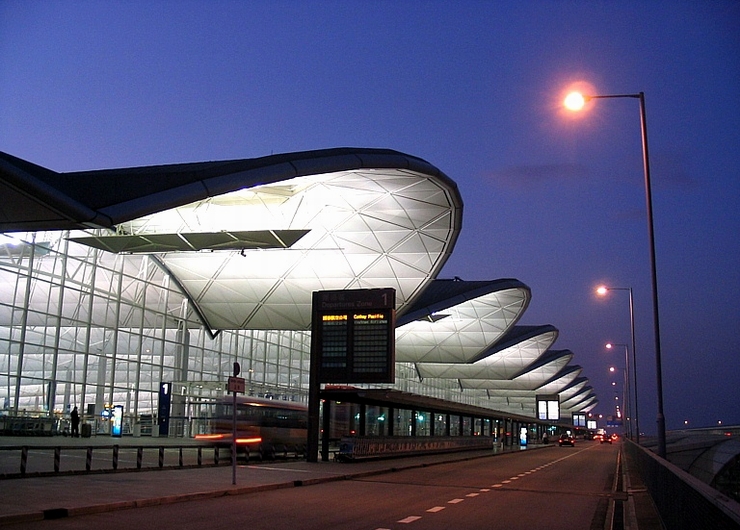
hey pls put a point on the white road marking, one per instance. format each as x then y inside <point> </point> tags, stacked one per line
<point>436,509</point>
<point>455,501</point>
<point>409,519</point>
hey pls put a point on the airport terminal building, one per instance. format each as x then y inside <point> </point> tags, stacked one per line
<point>115,281</point>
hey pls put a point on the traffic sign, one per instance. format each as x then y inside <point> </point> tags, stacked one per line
<point>236,384</point>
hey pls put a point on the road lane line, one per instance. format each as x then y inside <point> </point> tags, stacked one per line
<point>436,509</point>
<point>409,519</point>
<point>455,501</point>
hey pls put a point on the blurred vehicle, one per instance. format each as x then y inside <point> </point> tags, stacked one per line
<point>263,425</point>
<point>567,439</point>
<point>605,438</point>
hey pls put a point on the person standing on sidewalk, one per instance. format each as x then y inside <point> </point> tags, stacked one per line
<point>75,416</point>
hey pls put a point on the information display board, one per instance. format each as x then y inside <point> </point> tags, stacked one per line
<point>353,335</point>
<point>548,407</point>
<point>117,421</point>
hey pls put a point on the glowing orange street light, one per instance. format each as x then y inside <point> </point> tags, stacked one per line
<point>603,290</point>
<point>627,404</point>
<point>574,102</point>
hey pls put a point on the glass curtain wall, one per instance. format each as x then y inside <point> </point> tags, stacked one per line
<point>86,328</point>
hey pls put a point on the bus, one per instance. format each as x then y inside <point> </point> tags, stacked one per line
<point>264,425</point>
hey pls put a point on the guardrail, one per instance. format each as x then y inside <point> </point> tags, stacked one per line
<point>58,460</point>
<point>683,501</point>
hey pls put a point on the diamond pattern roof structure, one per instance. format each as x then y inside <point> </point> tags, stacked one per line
<point>524,345</point>
<point>461,321</point>
<point>552,362</point>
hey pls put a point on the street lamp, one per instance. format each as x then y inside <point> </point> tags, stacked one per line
<point>603,290</point>
<point>575,101</point>
<point>627,404</point>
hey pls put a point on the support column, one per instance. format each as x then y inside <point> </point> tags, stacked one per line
<point>326,430</point>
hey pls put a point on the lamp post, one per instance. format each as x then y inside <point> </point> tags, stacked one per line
<point>603,290</point>
<point>627,403</point>
<point>575,101</point>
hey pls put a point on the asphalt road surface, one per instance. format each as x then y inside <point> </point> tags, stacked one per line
<point>561,488</point>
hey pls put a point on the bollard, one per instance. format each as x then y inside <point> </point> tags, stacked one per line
<point>24,459</point>
<point>57,458</point>
<point>215,455</point>
<point>180,461</point>
<point>161,456</point>
<point>139,456</point>
<point>200,456</point>
<point>88,459</point>
<point>115,457</point>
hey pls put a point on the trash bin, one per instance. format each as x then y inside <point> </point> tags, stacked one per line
<point>86,430</point>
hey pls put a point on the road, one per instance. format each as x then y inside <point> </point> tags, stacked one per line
<point>559,488</point>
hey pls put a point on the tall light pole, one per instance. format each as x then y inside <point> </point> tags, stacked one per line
<point>603,290</point>
<point>575,101</point>
<point>627,404</point>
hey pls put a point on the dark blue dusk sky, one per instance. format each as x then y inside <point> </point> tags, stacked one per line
<point>475,89</point>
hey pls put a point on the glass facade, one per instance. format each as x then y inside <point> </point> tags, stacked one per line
<point>87,328</point>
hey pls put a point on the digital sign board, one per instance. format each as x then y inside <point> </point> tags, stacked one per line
<point>548,407</point>
<point>579,419</point>
<point>117,421</point>
<point>353,335</point>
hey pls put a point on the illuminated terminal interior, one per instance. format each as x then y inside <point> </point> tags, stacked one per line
<point>114,281</point>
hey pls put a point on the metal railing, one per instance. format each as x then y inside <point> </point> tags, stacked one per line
<point>25,460</point>
<point>683,501</point>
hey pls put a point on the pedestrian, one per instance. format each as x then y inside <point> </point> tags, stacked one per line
<point>75,423</point>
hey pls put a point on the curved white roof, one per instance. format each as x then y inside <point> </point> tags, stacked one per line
<point>505,363</point>
<point>464,331</point>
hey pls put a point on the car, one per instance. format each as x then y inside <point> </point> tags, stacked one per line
<point>566,439</point>
<point>605,438</point>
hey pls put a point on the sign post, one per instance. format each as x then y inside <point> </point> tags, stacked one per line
<point>352,341</point>
<point>236,384</point>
